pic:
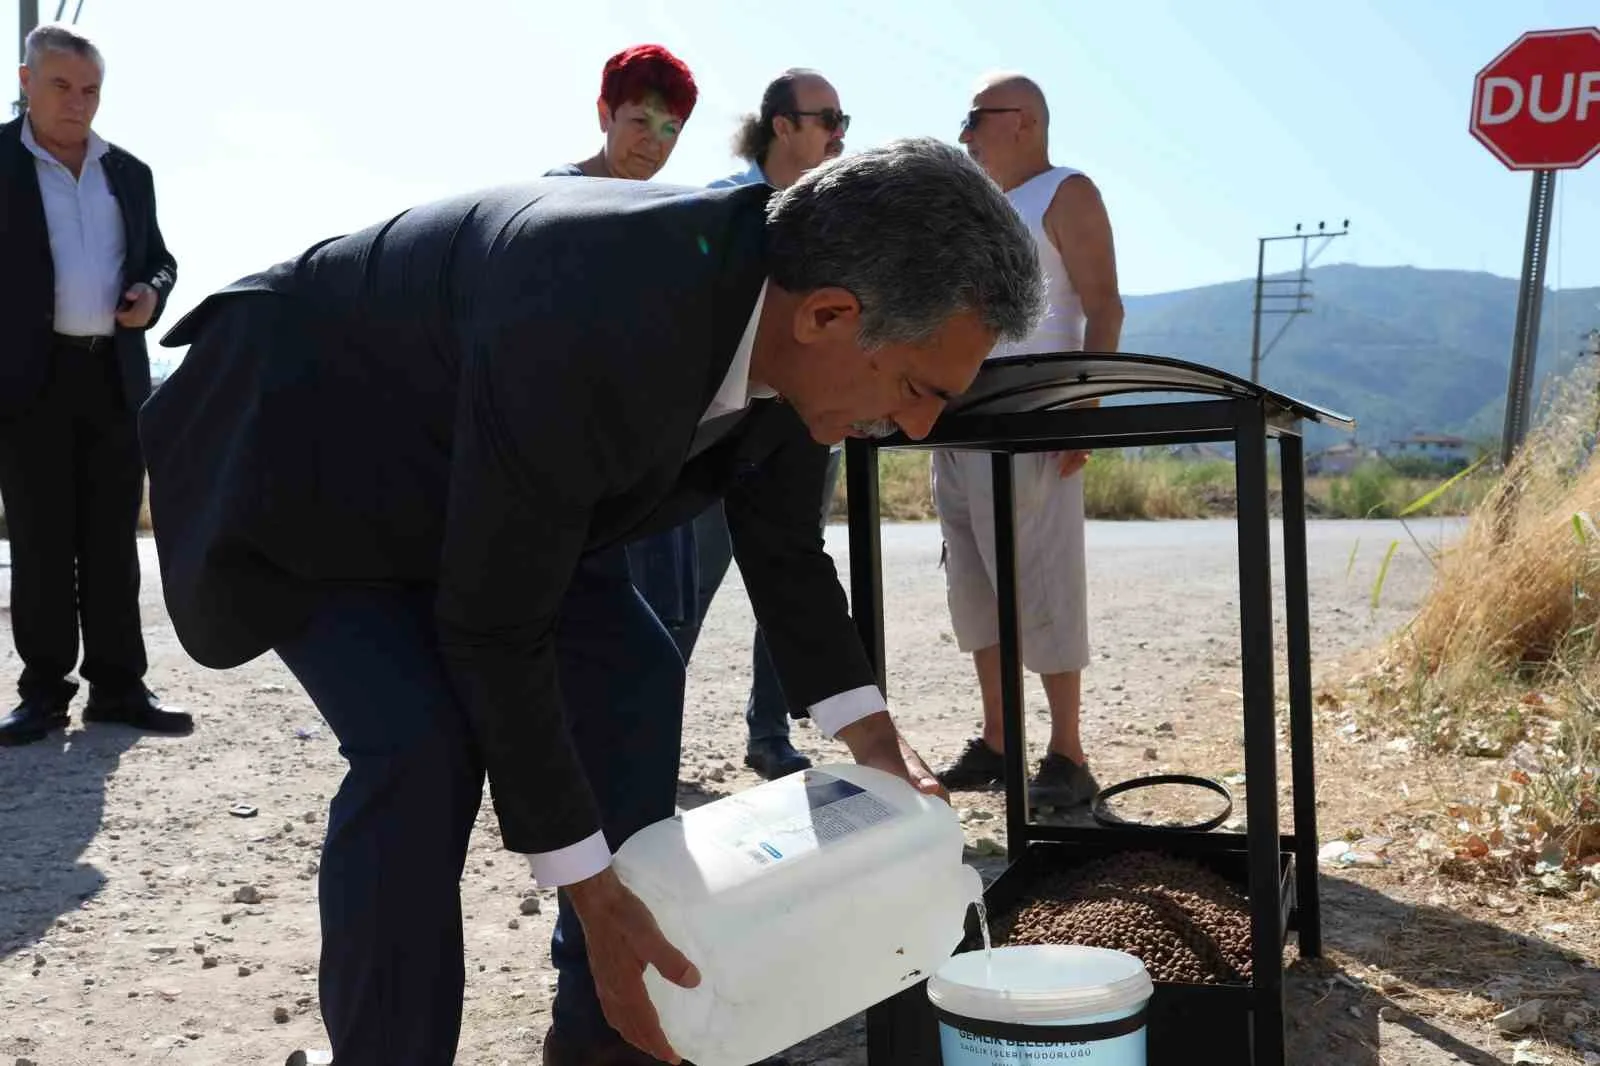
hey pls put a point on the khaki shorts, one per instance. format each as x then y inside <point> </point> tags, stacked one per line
<point>1051,592</point>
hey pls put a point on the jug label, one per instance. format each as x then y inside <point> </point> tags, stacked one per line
<point>960,1048</point>
<point>835,809</point>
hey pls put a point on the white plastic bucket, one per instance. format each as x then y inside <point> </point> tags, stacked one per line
<point>1042,1003</point>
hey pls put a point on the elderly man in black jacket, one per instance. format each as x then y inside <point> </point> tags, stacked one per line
<point>408,460</point>
<point>83,273</point>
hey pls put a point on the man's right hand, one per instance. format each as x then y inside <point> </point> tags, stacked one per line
<point>623,939</point>
<point>1072,462</point>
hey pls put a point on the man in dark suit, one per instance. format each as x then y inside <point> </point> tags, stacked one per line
<point>408,462</point>
<point>83,273</point>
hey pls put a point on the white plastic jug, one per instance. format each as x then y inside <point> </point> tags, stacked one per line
<point>802,901</point>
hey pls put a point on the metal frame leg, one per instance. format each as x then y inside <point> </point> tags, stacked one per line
<point>1302,743</point>
<point>900,1031</point>
<point>1011,715</point>
<point>1260,735</point>
<point>866,552</point>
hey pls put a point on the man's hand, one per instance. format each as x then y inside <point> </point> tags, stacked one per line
<point>1072,462</point>
<point>623,939</point>
<point>138,306</point>
<point>874,741</point>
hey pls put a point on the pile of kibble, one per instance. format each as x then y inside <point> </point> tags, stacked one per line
<point>1184,922</point>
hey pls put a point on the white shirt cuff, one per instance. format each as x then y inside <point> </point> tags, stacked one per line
<point>836,712</point>
<point>575,862</point>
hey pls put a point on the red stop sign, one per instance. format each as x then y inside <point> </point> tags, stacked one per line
<point>1537,105</point>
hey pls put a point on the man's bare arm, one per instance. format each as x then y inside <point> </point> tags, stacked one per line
<point>1078,225</point>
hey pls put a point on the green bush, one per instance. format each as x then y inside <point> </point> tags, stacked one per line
<point>1368,492</point>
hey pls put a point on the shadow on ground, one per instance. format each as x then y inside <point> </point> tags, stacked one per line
<point>1335,1018</point>
<point>692,794</point>
<point>52,801</point>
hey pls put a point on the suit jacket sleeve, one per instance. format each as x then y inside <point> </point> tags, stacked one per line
<point>160,269</point>
<point>523,483</point>
<point>774,521</point>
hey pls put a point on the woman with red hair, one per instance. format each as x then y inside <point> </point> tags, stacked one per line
<point>646,95</point>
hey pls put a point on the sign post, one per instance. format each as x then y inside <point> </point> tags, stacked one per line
<point>1536,106</point>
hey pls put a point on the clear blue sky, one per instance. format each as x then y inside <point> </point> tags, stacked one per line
<point>1207,124</point>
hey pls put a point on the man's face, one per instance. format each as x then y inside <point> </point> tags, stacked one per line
<point>844,391</point>
<point>815,132</point>
<point>63,93</point>
<point>991,130</point>
<point>640,136</point>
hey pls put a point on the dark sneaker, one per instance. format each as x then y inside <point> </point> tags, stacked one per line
<point>977,767</point>
<point>775,757</point>
<point>1061,783</point>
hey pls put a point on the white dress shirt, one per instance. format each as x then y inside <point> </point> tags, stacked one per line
<point>590,855</point>
<point>87,244</point>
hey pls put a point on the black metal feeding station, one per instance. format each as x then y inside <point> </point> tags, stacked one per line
<point>1022,404</point>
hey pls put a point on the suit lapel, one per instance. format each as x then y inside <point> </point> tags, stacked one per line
<point>25,211</point>
<point>132,234</point>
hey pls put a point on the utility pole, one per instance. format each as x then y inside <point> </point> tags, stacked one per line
<point>1300,297</point>
<point>27,19</point>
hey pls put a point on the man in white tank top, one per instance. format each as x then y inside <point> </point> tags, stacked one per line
<point>1006,131</point>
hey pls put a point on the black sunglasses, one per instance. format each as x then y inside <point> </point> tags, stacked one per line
<point>975,116</point>
<point>831,120</point>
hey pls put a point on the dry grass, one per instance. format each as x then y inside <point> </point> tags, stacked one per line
<point>1139,485</point>
<point>1501,658</point>
<point>1121,485</point>
<point>1374,490</point>
<point>1128,485</point>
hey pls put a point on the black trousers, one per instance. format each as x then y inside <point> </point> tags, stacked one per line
<point>71,480</point>
<point>392,970</point>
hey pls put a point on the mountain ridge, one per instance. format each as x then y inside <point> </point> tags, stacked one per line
<point>1401,349</point>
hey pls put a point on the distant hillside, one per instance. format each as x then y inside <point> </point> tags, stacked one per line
<point>1399,349</point>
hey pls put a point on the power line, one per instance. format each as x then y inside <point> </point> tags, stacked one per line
<point>1298,301</point>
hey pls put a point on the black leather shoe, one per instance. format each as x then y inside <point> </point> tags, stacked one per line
<point>34,719</point>
<point>561,1050</point>
<point>774,758</point>
<point>139,709</point>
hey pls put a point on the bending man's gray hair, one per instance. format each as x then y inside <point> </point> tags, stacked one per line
<point>918,232</point>
<point>54,37</point>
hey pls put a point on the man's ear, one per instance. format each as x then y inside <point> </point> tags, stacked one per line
<point>604,110</point>
<point>827,315</point>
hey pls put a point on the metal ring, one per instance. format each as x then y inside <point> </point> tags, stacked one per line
<point>1106,818</point>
